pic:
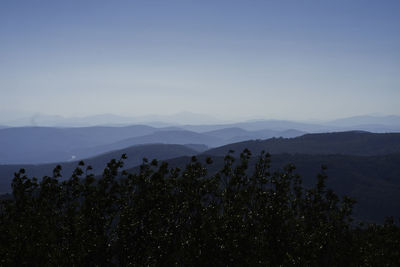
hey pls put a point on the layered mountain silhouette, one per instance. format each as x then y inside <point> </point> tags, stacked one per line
<point>46,144</point>
<point>361,164</point>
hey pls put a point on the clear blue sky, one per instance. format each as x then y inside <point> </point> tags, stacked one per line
<point>231,59</point>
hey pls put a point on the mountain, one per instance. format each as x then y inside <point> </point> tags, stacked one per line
<point>366,123</point>
<point>228,133</point>
<point>379,124</point>
<point>204,123</point>
<point>163,137</point>
<point>367,120</point>
<point>45,144</point>
<point>179,118</point>
<point>135,155</point>
<point>346,143</point>
<point>48,144</point>
<point>61,121</point>
<point>111,120</point>
<point>257,125</point>
<point>290,133</point>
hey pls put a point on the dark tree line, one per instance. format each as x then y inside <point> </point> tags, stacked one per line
<point>167,216</point>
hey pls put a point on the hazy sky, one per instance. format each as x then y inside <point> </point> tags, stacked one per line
<point>272,59</point>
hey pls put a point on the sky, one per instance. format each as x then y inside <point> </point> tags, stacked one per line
<point>298,60</point>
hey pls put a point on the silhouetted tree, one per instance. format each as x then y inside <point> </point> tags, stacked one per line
<point>167,216</point>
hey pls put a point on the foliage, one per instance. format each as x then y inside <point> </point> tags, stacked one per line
<point>167,216</point>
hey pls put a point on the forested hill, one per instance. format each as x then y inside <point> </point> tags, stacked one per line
<point>345,143</point>
<point>374,181</point>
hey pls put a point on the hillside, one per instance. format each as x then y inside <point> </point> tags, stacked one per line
<point>346,143</point>
<point>374,181</point>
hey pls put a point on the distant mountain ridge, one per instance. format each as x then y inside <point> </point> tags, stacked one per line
<point>367,120</point>
<point>48,144</point>
<point>274,125</point>
<point>202,123</point>
<point>179,118</point>
<point>52,144</point>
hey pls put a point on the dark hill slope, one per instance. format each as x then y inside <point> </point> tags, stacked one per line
<point>374,181</point>
<point>346,143</point>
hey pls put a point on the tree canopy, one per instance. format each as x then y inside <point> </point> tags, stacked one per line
<point>167,216</point>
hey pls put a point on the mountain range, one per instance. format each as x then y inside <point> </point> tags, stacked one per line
<point>363,165</point>
<point>200,122</point>
<point>362,153</point>
<point>36,145</point>
<point>110,120</point>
